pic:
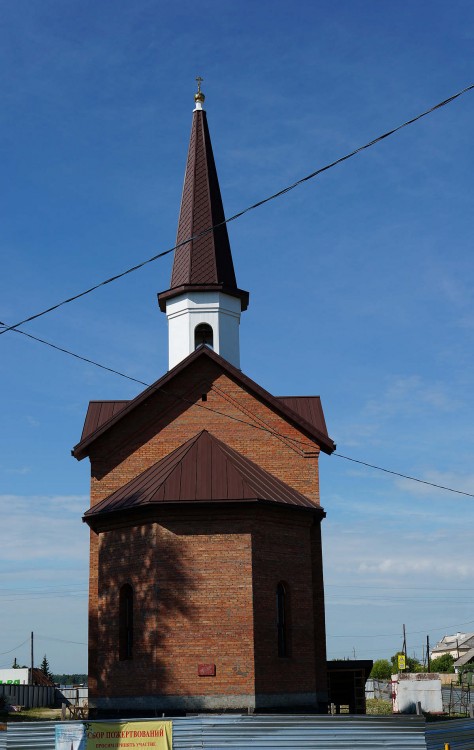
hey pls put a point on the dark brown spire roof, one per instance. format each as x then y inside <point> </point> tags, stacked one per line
<point>205,262</point>
<point>204,469</point>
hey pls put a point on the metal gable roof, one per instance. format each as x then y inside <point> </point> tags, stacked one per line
<point>316,432</point>
<point>98,413</point>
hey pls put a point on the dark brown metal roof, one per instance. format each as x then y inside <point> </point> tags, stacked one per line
<point>204,469</point>
<point>314,432</point>
<point>308,407</point>
<point>204,262</point>
<point>98,413</point>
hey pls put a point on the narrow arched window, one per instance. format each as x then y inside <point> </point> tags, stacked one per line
<point>203,334</point>
<point>126,622</point>
<point>282,620</point>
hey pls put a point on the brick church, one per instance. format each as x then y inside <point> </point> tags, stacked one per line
<point>206,578</point>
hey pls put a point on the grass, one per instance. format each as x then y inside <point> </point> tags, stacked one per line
<point>379,707</point>
<point>33,714</point>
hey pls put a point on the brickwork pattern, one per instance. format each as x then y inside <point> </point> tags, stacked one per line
<point>192,587</point>
<point>205,584</point>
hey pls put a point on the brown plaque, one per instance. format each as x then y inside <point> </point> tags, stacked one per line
<point>206,670</point>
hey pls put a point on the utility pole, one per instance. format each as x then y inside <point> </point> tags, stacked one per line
<point>428,652</point>
<point>32,657</point>
<point>405,644</point>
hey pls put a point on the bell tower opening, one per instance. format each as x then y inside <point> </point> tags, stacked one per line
<point>203,334</point>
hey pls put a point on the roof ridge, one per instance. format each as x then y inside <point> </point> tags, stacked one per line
<point>242,466</point>
<point>237,479</point>
<point>186,447</point>
<point>324,441</point>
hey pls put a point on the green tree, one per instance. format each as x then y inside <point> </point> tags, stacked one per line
<point>382,670</point>
<point>71,679</point>
<point>444,663</point>
<point>412,665</point>
<point>44,667</point>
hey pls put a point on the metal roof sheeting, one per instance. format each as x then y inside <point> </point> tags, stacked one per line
<point>203,469</point>
<point>206,259</point>
<point>308,407</point>
<point>98,413</point>
<point>299,732</point>
<point>459,733</point>
<point>284,732</point>
<point>315,431</point>
<point>36,735</point>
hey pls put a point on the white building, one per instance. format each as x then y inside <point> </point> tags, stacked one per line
<point>456,645</point>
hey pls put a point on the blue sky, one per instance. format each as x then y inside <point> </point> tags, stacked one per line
<point>361,281</point>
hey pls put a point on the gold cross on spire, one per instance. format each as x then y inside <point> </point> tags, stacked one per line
<point>199,96</point>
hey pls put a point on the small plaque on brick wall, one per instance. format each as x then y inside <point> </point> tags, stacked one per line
<point>206,670</point>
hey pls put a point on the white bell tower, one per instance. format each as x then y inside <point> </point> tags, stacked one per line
<point>203,304</point>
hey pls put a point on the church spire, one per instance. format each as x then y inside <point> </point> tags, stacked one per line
<point>203,266</point>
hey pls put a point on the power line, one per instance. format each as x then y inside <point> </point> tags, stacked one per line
<point>394,588</point>
<point>405,476</point>
<point>58,640</point>
<point>71,354</point>
<point>230,416</point>
<point>43,589</point>
<point>238,215</point>
<point>32,597</point>
<point>14,649</point>
<point>393,635</point>
<point>362,599</point>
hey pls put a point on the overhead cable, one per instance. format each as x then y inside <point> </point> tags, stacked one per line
<point>73,354</point>
<point>404,476</point>
<point>14,649</point>
<point>262,202</point>
<point>238,419</point>
<point>446,628</point>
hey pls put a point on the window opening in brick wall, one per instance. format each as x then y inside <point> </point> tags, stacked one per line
<point>282,604</point>
<point>126,622</point>
<point>203,334</point>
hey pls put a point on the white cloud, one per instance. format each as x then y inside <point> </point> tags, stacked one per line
<point>403,566</point>
<point>411,394</point>
<point>41,528</point>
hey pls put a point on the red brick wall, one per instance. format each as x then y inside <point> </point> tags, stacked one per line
<point>282,549</point>
<point>164,423</point>
<point>211,561</point>
<point>318,609</point>
<point>192,586</point>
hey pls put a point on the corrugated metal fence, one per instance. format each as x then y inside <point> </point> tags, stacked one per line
<point>458,732</point>
<point>457,698</point>
<point>29,696</point>
<point>378,689</point>
<point>295,732</point>
<point>278,732</point>
<point>77,696</point>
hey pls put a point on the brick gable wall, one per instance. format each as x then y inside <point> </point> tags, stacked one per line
<point>202,589</point>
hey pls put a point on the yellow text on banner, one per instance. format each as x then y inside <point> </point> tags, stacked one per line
<point>133,735</point>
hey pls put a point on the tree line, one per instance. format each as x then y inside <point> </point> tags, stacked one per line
<point>383,668</point>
